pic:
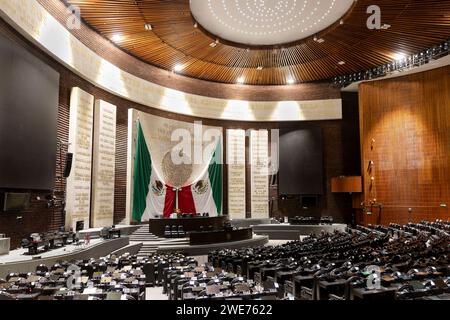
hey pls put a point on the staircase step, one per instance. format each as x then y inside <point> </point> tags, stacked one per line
<point>149,241</point>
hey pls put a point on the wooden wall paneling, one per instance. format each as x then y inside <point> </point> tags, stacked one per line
<point>405,130</point>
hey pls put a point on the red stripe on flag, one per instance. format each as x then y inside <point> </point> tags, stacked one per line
<point>169,202</point>
<point>186,200</point>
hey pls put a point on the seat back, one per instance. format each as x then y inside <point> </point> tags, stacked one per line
<point>167,232</point>
<point>174,231</point>
<point>181,232</point>
<point>149,271</point>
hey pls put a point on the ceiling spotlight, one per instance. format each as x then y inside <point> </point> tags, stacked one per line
<point>196,25</point>
<point>290,80</point>
<point>178,68</point>
<point>341,63</point>
<point>240,80</point>
<point>385,26</point>
<point>321,40</point>
<point>213,44</point>
<point>148,27</point>
<point>341,22</point>
<point>116,37</point>
<point>315,38</point>
<point>260,68</point>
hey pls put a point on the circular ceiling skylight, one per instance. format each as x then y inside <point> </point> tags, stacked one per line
<point>267,22</point>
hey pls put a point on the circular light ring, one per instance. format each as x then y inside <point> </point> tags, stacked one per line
<point>267,22</point>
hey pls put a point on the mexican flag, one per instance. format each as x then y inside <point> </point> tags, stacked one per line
<point>152,197</point>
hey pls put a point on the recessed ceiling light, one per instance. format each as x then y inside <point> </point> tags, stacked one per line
<point>321,40</point>
<point>259,68</point>
<point>341,63</point>
<point>290,80</point>
<point>213,44</point>
<point>178,68</point>
<point>116,37</point>
<point>267,22</point>
<point>195,25</point>
<point>148,27</point>
<point>240,80</point>
<point>385,26</point>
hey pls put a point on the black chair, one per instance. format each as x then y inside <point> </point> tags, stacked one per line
<point>41,269</point>
<point>55,267</point>
<point>181,232</point>
<point>174,231</point>
<point>11,275</point>
<point>89,269</point>
<point>104,233</point>
<point>167,232</point>
<point>149,271</point>
<point>25,243</point>
<point>102,267</point>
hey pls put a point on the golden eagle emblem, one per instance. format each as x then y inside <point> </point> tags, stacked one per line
<point>158,188</point>
<point>201,187</point>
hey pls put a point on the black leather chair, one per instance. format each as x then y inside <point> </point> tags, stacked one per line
<point>11,275</point>
<point>167,232</point>
<point>149,271</point>
<point>181,232</point>
<point>41,269</point>
<point>174,231</point>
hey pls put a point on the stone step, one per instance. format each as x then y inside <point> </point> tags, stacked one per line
<point>143,235</point>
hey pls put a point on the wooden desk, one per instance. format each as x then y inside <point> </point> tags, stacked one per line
<point>157,226</point>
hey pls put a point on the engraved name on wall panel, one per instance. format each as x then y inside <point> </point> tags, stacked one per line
<point>104,160</point>
<point>259,160</point>
<point>236,173</point>
<point>80,140</point>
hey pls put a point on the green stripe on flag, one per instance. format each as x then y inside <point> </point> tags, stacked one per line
<point>142,173</point>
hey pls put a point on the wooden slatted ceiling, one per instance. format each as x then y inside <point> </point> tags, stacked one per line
<point>415,25</point>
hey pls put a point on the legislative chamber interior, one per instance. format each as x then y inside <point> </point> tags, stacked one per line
<point>232,151</point>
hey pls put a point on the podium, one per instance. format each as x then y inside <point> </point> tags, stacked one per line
<point>157,226</point>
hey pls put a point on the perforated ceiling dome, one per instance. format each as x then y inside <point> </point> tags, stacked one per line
<point>267,22</point>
